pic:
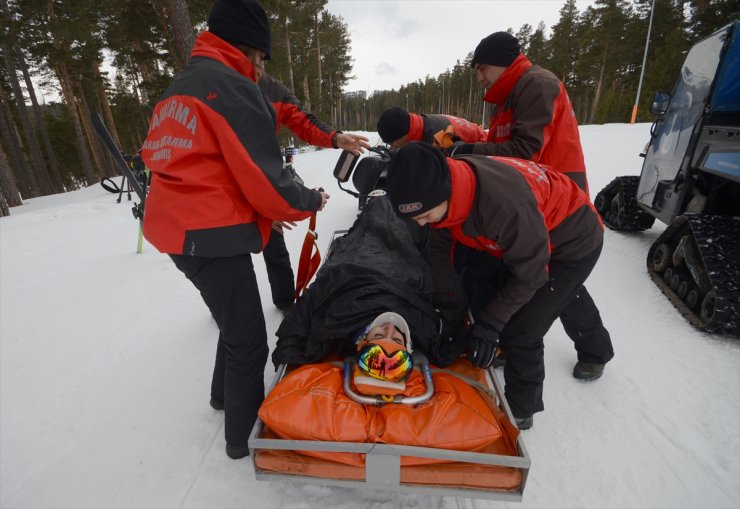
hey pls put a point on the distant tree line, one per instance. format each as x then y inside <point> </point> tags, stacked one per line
<point>597,53</point>
<point>47,148</point>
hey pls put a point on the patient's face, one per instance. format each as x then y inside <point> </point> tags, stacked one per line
<point>385,332</point>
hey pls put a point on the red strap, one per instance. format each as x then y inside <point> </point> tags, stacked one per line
<point>310,258</point>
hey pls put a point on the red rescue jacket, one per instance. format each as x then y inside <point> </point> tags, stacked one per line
<point>290,113</point>
<point>523,212</point>
<point>217,170</point>
<point>534,119</point>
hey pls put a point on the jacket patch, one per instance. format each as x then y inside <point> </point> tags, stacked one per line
<point>408,208</point>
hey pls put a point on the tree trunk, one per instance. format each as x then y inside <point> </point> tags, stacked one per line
<point>11,140</point>
<point>146,72</point>
<point>99,159</point>
<point>69,98</point>
<point>340,113</point>
<point>9,195</point>
<point>4,209</point>
<point>318,59</point>
<point>307,96</point>
<point>469,110</point>
<point>290,62</point>
<point>56,175</point>
<point>32,143</point>
<point>104,107</point>
<point>599,84</point>
<point>332,110</point>
<point>138,91</point>
<point>183,31</point>
<point>105,104</point>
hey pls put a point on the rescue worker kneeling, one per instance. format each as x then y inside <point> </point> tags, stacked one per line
<point>538,222</point>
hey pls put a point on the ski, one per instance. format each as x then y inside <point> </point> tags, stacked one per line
<point>123,165</point>
<point>139,186</point>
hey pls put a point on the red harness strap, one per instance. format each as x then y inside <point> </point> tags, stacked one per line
<point>310,258</point>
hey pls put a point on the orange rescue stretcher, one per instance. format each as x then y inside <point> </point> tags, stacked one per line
<point>449,434</point>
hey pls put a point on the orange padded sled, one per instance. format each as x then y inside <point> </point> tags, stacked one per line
<point>462,439</point>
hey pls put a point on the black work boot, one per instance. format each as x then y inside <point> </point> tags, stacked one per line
<point>524,422</point>
<point>236,452</point>
<point>217,404</point>
<point>587,371</point>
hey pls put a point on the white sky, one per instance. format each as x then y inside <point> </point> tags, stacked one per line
<point>395,42</point>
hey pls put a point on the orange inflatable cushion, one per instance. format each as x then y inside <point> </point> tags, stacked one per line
<point>310,404</point>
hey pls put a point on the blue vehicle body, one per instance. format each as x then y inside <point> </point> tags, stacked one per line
<point>695,145</point>
<point>690,180</point>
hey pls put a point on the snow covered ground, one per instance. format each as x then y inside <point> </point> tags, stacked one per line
<point>106,358</point>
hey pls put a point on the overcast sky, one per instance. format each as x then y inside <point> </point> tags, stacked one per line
<point>395,42</point>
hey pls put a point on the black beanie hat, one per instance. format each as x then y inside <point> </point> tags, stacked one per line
<point>393,124</point>
<point>499,49</point>
<point>241,22</point>
<point>418,179</point>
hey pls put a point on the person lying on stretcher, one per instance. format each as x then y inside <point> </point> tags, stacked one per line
<point>384,360</point>
<point>371,296</point>
<point>376,270</point>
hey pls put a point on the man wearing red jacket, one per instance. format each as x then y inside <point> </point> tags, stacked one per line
<point>397,127</point>
<point>533,119</point>
<point>539,222</point>
<point>290,113</point>
<point>218,185</point>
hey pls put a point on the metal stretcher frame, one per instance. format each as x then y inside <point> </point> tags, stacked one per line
<point>383,461</point>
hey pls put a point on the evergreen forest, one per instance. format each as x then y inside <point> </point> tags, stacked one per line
<point>72,47</point>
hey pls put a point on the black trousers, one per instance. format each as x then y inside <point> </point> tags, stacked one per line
<point>522,338</point>
<point>279,271</point>
<point>229,289</point>
<point>582,323</point>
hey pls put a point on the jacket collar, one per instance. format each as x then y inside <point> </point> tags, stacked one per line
<point>212,46</point>
<point>416,127</point>
<point>500,90</point>
<point>462,195</point>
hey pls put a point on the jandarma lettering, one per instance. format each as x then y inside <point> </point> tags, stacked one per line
<point>169,141</point>
<point>407,208</point>
<point>176,111</point>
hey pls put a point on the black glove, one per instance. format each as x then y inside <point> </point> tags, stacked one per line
<point>483,342</point>
<point>459,148</point>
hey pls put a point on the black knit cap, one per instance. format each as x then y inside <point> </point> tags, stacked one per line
<point>393,124</point>
<point>241,22</point>
<point>418,179</point>
<point>499,49</point>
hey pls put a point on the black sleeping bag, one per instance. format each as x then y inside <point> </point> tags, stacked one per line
<point>376,267</point>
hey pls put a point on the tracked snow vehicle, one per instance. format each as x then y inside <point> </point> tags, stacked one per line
<point>690,180</point>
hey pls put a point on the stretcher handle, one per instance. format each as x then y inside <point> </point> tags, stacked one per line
<point>349,364</point>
